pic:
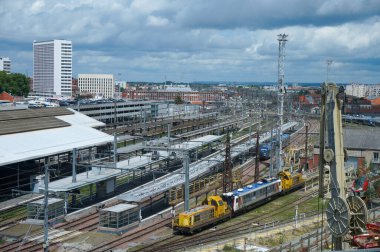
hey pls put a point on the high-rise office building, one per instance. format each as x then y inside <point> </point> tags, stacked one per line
<point>100,85</point>
<point>5,64</point>
<point>52,68</point>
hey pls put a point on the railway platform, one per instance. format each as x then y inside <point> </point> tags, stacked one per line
<point>18,201</point>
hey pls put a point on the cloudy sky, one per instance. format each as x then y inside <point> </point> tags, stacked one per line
<point>193,40</point>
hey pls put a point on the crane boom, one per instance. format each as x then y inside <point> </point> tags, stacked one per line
<point>343,215</point>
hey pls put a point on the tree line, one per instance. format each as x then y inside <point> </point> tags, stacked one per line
<point>14,83</point>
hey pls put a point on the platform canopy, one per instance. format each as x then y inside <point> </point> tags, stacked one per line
<point>196,170</point>
<point>101,172</point>
<point>33,144</point>
<point>119,208</point>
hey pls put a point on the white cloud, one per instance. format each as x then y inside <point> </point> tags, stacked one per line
<point>205,40</point>
<point>157,21</point>
<point>37,6</point>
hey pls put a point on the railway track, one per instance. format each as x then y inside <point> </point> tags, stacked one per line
<point>27,247</point>
<point>174,243</point>
<point>12,216</point>
<point>90,223</point>
<point>81,224</point>
<point>128,237</point>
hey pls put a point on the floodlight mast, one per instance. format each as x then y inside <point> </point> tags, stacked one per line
<point>282,38</point>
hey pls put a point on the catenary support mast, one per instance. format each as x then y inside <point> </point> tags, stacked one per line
<point>282,38</point>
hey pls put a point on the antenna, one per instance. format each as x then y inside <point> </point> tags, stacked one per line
<point>328,66</point>
<point>282,38</point>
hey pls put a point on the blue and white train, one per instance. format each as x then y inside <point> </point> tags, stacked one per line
<point>253,195</point>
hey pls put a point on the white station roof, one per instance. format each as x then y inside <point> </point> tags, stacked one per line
<point>82,179</point>
<point>42,201</point>
<point>96,174</point>
<point>198,142</point>
<point>80,119</point>
<point>119,208</point>
<point>137,162</point>
<point>41,143</point>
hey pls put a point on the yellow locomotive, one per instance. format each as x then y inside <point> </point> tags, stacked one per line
<point>213,210</point>
<point>290,181</point>
<point>218,208</point>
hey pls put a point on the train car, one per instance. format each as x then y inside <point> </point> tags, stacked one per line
<point>253,195</point>
<point>264,151</point>
<point>218,208</point>
<point>291,181</point>
<point>213,210</point>
<point>369,122</point>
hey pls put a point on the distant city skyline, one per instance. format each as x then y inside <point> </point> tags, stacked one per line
<point>187,41</point>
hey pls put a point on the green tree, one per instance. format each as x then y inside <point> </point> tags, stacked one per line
<point>14,83</point>
<point>178,100</point>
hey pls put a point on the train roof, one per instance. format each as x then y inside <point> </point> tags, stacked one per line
<point>197,209</point>
<point>265,146</point>
<point>285,135</point>
<point>254,187</point>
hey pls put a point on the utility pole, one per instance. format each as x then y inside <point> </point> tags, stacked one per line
<point>306,149</point>
<point>115,136</point>
<point>74,165</point>
<point>227,174</point>
<point>282,38</point>
<point>257,163</point>
<point>46,203</point>
<point>271,152</point>
<point>78,103</point>
<point>169,129</point>
<point>187,179</point>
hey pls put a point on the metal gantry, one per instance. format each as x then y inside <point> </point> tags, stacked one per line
<point>282,38</point>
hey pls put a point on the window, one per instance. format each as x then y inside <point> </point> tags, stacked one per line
<point>376,155</point>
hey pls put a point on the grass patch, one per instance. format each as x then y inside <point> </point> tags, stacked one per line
<point>13,213</point>
<point>279,238</point>
<point>230,248</point>
<point>123,180</point>
<point>136,248</point>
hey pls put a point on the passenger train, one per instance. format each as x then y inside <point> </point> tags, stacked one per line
<point>219,208</point>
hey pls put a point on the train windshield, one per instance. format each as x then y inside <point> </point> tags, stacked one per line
<point>228,199</point>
